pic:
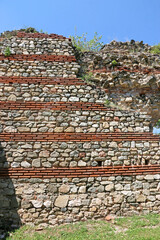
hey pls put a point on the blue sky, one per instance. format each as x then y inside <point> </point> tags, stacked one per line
<point>121,20</point>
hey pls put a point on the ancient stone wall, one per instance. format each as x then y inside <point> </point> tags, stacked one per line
<point>56,199</point>
<point>66,155</point>
<point>129,73</point>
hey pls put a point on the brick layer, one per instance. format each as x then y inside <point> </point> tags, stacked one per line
<point>69,106</point>
<point>42,80</point>
<point>79,172</point>
<point>40,35</point>
<point>36,57</point>
<point>77,137</point>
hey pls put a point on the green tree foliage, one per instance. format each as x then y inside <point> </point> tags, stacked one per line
<point>81,43</point>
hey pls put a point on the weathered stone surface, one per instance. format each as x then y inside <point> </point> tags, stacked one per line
<point>47,204</point>
<point>61,201</point>
<point>36,163</point>
<point>81,163</point>
<point>82,189</point>
<point>109,187</point>
<point>141,198</point>
<point>24,129</point>
<point>64,188</point>
<point>37,204</point>
<point>126,90</point>
<point>58,129</point>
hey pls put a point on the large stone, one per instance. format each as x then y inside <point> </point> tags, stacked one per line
<point>141,198</point>
<point>48,204</point>
<point>105,125</point>
<point>109,187</point>
<point>15,164</point>
<point>74,99</point>
<point>149,177</point>
<point>113,145</point>
<point>12,97</point>
<point>25,164</point>
<point>64,188</point>
<point>82,189</point>
<point>61,201</point>
<point>24,129</point>
<point>58,129</point>
<point>118,199</point>
<point>44,153</point>
<point>37,204</point>
<point>10,129</point>
<point>131,199</point>
<point>81,163</point>
<point>118,187</point>
<point>52,188</point>
<point>69,129</point>
<point>36,163</point>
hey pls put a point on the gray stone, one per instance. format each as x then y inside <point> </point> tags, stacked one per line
<point>81,163</point>
<point>36,163</point>
<point>82,189</point>
<point>25,164</point>
<point>109,187</point>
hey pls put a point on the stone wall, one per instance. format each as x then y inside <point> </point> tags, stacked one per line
<point>72,154</point>
<point>64,200</point>
<point>65,154</point>
<point>63,120</point>
<point>38,46</point>
<point>49,92</point>
<point>43,68</point>
<point>133,82</point>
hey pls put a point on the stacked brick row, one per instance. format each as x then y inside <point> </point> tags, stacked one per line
<point>78,172</point>
<point>48,58</point>
<point>64,154</point>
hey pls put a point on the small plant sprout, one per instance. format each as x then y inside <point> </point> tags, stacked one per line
<point>114,63</point>
<point>107,102</point>
<point>88,77</point>
<point>7,52</point>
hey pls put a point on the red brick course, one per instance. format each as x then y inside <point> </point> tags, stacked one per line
<point>40,57</point>
<point>79,172</point>
<point>77,137</point>
<point>69,106</point>
<point>42,80</point>
<point>40,35</point>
